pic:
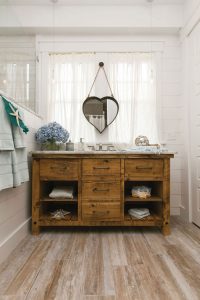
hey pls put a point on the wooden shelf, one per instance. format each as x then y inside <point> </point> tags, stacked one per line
<point>47,220</point>
<point>66,200</point>
<point>152,220</point>
<point>129,199</point>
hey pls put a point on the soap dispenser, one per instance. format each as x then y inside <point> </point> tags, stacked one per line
<point>70,146</point>
<point>81,144</point>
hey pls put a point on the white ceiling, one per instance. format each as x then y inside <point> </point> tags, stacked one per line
<point>88,2</point>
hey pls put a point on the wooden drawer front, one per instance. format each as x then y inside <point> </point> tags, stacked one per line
<point>101,167</point>
<point>101,211</point>
<point>143,168</point>
<point>100,191</point>
<point>59,169</point>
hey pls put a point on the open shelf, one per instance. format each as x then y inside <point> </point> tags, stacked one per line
<point>48,205</point>
<point>136,199</point>
<point>47,220</point>
<point>152,220</point>
<point>66,200</point>
<point>156,191</point>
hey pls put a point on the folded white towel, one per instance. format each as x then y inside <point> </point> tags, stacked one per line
<point>139,213</point>
<point>62,192</point>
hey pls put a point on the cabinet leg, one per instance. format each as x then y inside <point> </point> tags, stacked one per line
<point>166,229</point>
<point>35,228</point>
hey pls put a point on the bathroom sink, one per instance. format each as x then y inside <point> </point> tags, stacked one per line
<point>101,147</point>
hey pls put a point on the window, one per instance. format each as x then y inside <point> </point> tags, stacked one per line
<point>17,75</point>
<point>133,81</point>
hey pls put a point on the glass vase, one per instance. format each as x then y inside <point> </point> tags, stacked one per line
<point>50,146</point>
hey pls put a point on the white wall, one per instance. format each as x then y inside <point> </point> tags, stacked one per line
<point>15,203</point>
<point>189,37</point>
<point>70,18</point>
<point>172,112</point>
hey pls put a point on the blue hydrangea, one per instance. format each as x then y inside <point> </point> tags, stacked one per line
<point>53,132</point>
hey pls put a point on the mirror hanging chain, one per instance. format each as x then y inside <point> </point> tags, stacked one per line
<point>101,66</point>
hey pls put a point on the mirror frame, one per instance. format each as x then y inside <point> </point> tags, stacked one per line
<point>100,100</point>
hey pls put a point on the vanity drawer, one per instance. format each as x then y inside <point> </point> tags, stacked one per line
<point>108,211</point>
<point>100,191</point>
<point>101,167</point>
<point>64,169</point>
<point>143,169</point>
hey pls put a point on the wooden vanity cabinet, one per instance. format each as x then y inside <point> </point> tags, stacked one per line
<point>102,185</point>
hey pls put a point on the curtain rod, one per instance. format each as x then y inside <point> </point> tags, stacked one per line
<point>89,52</point>
<point>20,105</point>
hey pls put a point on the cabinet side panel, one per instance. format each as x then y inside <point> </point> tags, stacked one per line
<point>166,198</point>
<point>35,196</point>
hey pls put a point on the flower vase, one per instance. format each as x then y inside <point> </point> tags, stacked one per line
<point>50,146</point>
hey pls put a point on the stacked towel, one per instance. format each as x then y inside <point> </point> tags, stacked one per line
<point>13,155</point>
<point>139,213</point>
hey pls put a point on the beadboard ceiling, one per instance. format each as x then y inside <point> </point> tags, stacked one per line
<point>88,2</point>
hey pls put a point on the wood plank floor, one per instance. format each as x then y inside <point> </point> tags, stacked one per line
<point>114,264</point>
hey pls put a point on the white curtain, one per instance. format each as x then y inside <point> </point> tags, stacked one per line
<point>70,78</point>
<point>133,80</point>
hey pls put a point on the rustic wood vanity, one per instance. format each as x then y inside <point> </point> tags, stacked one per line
<point>102,188</point>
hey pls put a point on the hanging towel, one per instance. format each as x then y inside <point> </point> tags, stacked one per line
<point>6,173</point>
<point>13,155</point>
<point>6,137</point>
<point>19,166</point>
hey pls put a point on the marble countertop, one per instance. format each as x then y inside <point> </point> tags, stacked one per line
<point>120,149</point>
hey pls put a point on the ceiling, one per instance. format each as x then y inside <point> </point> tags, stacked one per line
<point>88,2</point>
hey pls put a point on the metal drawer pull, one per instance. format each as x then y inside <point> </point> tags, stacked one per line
<point>59,168</point>
<point>100,190</point>
<point>144,168</point>
<point>101,213</point>
<point>101,168</point>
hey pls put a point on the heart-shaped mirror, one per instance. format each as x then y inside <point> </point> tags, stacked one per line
<point>100,112</point>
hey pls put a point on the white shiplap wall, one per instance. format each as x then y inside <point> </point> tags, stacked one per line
<point>15,203</point>
<point>172,113</point>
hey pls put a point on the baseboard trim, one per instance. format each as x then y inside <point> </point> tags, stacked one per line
<point>11,242</point>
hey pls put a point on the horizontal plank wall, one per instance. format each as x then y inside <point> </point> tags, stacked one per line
<point>15,203</point>
<point>173,116</point>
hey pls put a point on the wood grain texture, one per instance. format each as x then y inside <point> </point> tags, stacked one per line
<point>59,169</point>
<point>98,166</point>
<point>149,169</point>
<point>132,264</point>
<point>35,196</point>
<point>102,187</point>
<point>100,191</point>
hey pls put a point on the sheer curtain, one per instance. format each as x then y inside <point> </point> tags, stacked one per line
<point>133,80</point>
<point>70,78</point>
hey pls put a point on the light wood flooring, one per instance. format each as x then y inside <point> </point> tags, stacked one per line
<point>105,264</point>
